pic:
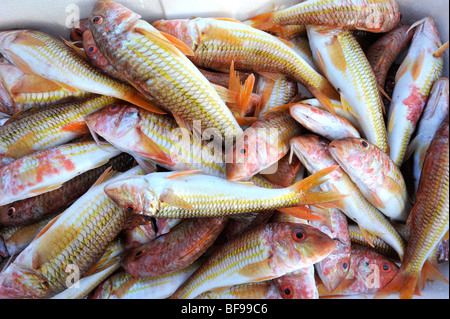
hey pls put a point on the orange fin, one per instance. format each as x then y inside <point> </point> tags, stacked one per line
<point>280,108</point>
<point>337,55</point>
<point>137,98</point>
<point>258,270</point>
<point>366,236</point>
<point>78,50</point>
<point>245,120</point>
<point>441,50</point>
<point>220,34</point>
<point>170,198</point>
<point>302,213</point>
<point>19,62</point>
<point>152,150</point>
<point>430,272</point>
<point>160,39</point>
<point>403,283</point>
<point>33,83</point>
<point>227,95</point>
<point>79,127</point>
<point>417,66</point>
<point>49,224</point>
<point>106,175</point>
<point>21,147</point>
<point>323,99</point>
<point>227,19</point>
<point>184,173</point>
<point>46,189</point>
<point>262,21</point>
<point>373,198</point>
<point>180,45</point>
<point>289,44</point>
<point>271,75</point>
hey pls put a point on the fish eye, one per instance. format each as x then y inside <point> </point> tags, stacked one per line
<point>97,20</point>
<point>364,144</point>
<point>287,291</point>
<point>113,108</point>
<point>298,234</point>
<point>92,49</point>
<point>243,151</point>
<point>385,268</point>
<point>138,253</point>
<point>130,208</point>
<point>321,139</point>
<point>10,211</point>
<point>345,264</point>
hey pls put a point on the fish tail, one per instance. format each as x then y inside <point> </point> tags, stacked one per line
<point>305,187</point>
<point>430,272</point>
<point>405,283</point>
<point>302,213</point>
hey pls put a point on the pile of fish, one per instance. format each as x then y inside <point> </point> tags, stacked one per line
<point>286,156</point>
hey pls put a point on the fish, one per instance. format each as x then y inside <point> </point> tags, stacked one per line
<point>160,69</point>
<point>275,93</point>
<point>252,290</point>
<point>35,208</point>
<point>193,194</point>
<point>383,52</point>
<point>122,285</point>
<point>217,42</point>
<point>16,238</point>
<point>287,32</point>
<point>374,16</point>
<point>156,137</point>
<point>72,242</point>
<point>286,170</point>
<point>264,252</point>
<point>77,32</point>
<point>39,53</point>
<point>340,57</point>
<point>433,115</point>
<point>48,127</point>
<point>312,150</point>
<point>47,170</point>
<point>298,284</point>
<point>322,122</point>
<point>175,250</point>
<point>105,267</point>
<point>428,221</point>
<point>378,178</point>
<point>23,91</point>
<point>369,273</point>
<point>262,144</point>
<point>140,234</point>
<point>333,269</point>
<point>96,57</point>
<point>413,82</point>
<point>4,118</point>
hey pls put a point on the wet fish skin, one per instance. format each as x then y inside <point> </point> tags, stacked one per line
<point>264,252</point>
<point>175,250</point>
<point>376,175</point>
<point>159,69</point>
<point>338,54</point>
<point>253,290</point>
<point>413,82</point>
<point>368,15</point>
<point>35,208</point>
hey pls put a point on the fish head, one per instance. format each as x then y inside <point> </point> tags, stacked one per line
<point>109,17</point>
<point>15,213</point>
<point>255,150</point>
<point>113,121</point>
<point>427,29</point>
<point>90,47</point>
<point>306,114</point>
<point>134,194</point>
<point>18,283</point>
<point>185,30</point>
<point>298,284</point>
<point>333,269</point>
<point>102,291</point>
<point>299,245</point>
<point>77,33</point>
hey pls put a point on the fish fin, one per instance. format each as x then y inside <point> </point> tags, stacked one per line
<point>271,75</point>
<point>391,120</point>
<point>151,149</point>
<point>184,174</point>
<point>306,185</point>
<point>393,186</point>
<point>373,198</point>
<point>227,95</point>
<point>246,218</point>
<point>441,50</point>
<point>246,94</point>
<point>446,236</point>
<point>412,146</point>
<point>219,34</point>
<point>137,98</point>
<point>383,92</point>
<point>102,265</point>
<point>170,198</point>
<point>279,108</point>
<point>46,189</point>
<point>105,176</point>
<point>404,67</point>
<point>147,166</point>
<point>67,87</point>
<point>245,120</point>
<point>262,21</point>
<point>180,45</point>
<point>320,63</point>
<point>78,50</point>
<point>194,247</point>
<point>405,283</point>
<point>417,66</point>
<point>79,127</point>
<point>21,147</point>
<point>19,62</point>
<point>265,97</point>
<point>302,213</point>
<point>289,44</point>
<point>33,83</point>
<point>430,272</point>
<point>347,107</point>
<point>337,55</point>
<point>366,236</point>
<point>256,269</point>
<point>46,227</point>
<point>157,37</point>
<point>323,99</point>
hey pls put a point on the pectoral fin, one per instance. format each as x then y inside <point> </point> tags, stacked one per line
<point>170,198</point>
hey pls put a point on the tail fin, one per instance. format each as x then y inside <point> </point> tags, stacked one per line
<point>301,212</point>
<point>404,283</point>
<point>304,188</point>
